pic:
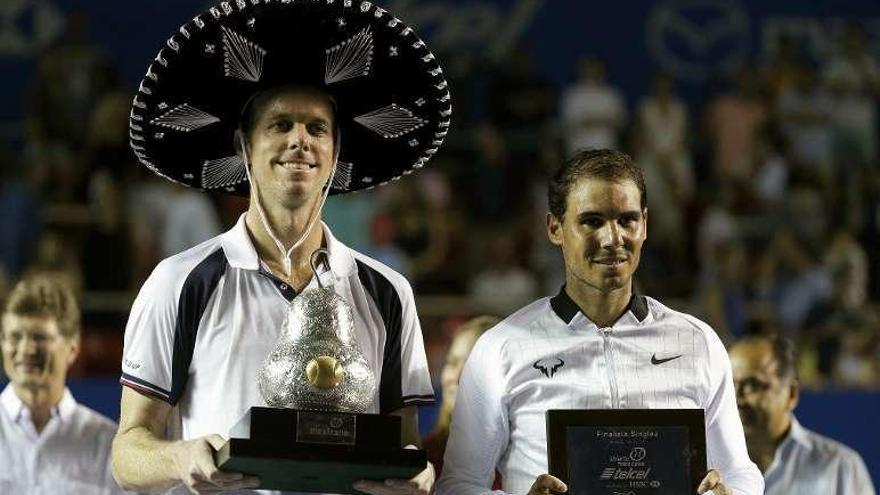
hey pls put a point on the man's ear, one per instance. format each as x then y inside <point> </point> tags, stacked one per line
<point>75,344</point>
<point>794,395</point>
<point>554,230</point>
<point>645,217</point>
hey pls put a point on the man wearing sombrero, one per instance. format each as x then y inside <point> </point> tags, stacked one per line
<point>288,102</point>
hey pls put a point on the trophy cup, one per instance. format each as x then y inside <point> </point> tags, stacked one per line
<point>315,435</point>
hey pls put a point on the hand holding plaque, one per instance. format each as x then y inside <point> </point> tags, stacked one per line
<point>316,436</point>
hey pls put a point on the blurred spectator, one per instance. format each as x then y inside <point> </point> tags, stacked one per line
<point>459,349</point>
<point>190,218</point>
<point>502,286</point>
<point>783,65</point>
<point>722,292</point>
<point>55,444</point>
<point>57,258</point>
<point>426,233</point>
<point>381,246</point>
<point>106,252</point>
<point>792,458</point>
<point>70,79</point>
<point>732,120</point>
<point>770,182</point>
<point>663,154</point>
<point>21,218</point>
<point>804,112</point>
<point>853,76</point>
<point>592,111</point>
<point>844,317</point>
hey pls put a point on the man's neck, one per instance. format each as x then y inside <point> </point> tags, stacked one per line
<point>763,450</point>
<point>288,226</point>
<point>39,401</point>
<point>602,308</point>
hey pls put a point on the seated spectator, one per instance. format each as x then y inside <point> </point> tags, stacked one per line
<point>54,444</point>
<point>792,458</point>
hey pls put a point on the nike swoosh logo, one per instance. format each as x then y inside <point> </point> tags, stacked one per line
<point>654,359</point>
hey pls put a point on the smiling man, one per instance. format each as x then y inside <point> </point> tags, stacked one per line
<point>48,442</point>
<point>287,103</point>
<point>595,345</point>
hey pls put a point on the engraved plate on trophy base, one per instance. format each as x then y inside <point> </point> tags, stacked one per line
<point>627,451</point>
<point>312,451</point>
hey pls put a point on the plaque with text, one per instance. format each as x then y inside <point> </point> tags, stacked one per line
<point>627,451</point>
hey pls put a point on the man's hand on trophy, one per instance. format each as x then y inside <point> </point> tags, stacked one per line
<point>420,484</point>
<point>713,482</point>
<point>546,484</point>
<point>194,461</point>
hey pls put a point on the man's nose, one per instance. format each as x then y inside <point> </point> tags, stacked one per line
<point>610,235</point>
<point>298,137</point>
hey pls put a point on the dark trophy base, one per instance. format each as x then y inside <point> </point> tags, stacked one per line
<point>310,451</point>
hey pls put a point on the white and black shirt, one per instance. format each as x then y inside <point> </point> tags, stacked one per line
<point>205,320</point>
<point>548,355</point>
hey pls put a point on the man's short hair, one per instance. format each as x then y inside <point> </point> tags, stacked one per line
<point>45,296</point>
<point>783,352</point>
<point>604,164</point>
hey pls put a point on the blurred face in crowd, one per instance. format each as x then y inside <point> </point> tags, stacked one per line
<point>290,146</point>
<point>601,233</point>
<point>35,353</point>
<point>458,353</point>
<point>765,400</point>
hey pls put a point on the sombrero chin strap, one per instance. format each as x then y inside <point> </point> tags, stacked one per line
<point>313,217</point>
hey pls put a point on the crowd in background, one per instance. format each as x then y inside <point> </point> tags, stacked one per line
<point>764,198</point>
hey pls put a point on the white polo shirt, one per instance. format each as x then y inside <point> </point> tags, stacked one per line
<point>71,455</point>
<point>548,355</point>
<point>205,320</point>
<point>807,463</point>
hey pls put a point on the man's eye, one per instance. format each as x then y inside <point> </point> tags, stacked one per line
<point>318,129</point>
<point>593,223</point>
<point>280,126</point>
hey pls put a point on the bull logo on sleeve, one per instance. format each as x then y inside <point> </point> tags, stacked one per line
<point>548,367</point>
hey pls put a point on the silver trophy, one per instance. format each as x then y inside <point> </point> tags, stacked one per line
<point>317,364</point>
<point>316,436</point>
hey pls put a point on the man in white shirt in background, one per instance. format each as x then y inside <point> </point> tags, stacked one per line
<point>792,458</point>
<point>48,443</point>
<point>595,345</point>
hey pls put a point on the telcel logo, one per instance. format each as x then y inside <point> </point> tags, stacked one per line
<point>613,473</point>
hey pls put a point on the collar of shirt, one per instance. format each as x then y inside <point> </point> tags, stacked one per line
<point>796,435</point>
<point>569,312</point>
<point>18,411</point>
<point>241,253</point>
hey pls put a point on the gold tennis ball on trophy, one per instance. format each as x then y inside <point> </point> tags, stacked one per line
<point>324,372</point>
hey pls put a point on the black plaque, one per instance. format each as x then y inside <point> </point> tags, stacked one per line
<point>326,452</point>
<point>627,451</point>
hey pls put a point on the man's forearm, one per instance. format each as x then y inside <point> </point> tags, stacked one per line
<point>144,463</point>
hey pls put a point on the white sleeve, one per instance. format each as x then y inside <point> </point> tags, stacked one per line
<point>416,387</point>
<point>854,477</point>
<point>479,431</point>
<point>148,348</point>
<point>725,440</point>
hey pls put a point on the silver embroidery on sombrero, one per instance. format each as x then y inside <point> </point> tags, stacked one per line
<point>342,177</point>
<point>242,58</point>
<point>350,58</point>
<point>185,118</point>
<point>223,172</point>
<point>392,121</point>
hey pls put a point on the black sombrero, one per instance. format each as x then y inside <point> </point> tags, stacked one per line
<point>393,104</point>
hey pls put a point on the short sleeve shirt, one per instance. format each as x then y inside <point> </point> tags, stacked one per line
<point>205,320</point>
